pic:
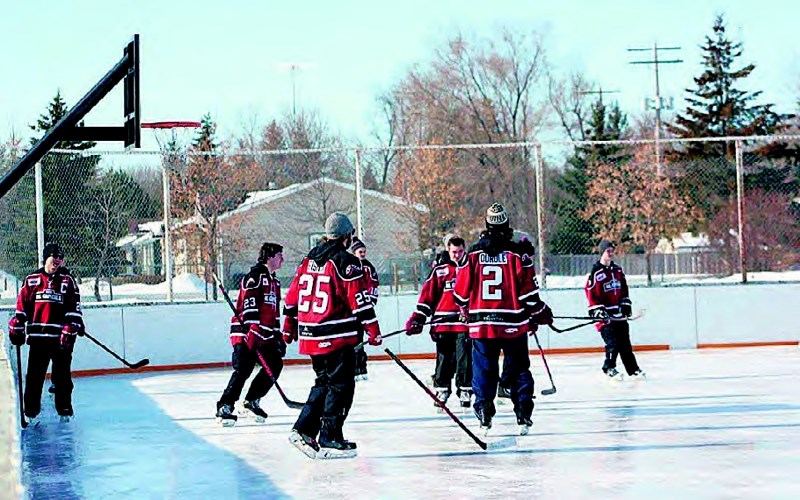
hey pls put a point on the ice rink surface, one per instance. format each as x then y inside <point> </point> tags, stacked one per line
<point>705,424</point>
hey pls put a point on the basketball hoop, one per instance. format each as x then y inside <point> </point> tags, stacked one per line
<point>175,131</point>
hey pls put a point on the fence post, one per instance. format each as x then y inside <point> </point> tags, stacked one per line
<point>740,209</point>
<point>359,197</point>
<point>538,169</point>
<point>39,211</point>
<point>167,224</point>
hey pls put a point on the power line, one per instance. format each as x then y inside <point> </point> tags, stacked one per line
<point>658,104</point>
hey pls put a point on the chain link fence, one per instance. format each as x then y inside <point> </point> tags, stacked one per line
<point>722,210</point>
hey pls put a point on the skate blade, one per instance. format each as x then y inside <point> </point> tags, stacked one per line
<point>305,449</point>
<point>226,422</point>
<point>524,430</point>
<point>260,419</point>
<point>333,453</point>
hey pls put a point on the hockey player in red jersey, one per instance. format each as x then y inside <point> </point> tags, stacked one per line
<point>359,249</point>
<point>328,301</point>
<point>258,306</point>
<point>607,292</point>
<point>49,303</point>
<point>453,345</point>
<point>498,294</point>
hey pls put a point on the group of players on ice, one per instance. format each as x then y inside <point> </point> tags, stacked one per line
<point>478,303</point>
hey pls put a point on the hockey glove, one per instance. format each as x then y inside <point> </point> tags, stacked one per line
<point>254,338</point>
<point>414,324</point>
<point>463,314</point>
<point>68,335</point>
<point>16,331</point>
<point>625,308</point>
<point>290,329</point>
<point>600,314</point>
<point>542,314</point>
<point>373,332</point>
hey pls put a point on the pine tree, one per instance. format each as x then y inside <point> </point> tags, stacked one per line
<point>67,181</point>
<point>573,234</point>
<point>717,106</point>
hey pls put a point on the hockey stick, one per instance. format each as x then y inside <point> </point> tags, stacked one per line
<point>438,401</point>
<point>575,327</point>
<point>22,422</point>
<point>132,366</point>
<point>436,321</point>
<point>634,317</point>
<point>552,389</point>
<point>295,405</point>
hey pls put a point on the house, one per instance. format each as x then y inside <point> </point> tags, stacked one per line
<point>294,217</point>
<point>143,249</point>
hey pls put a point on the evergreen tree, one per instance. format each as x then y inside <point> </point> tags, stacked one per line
<point>573,234</point>
<point>717,106</point>
<point>18,252</point>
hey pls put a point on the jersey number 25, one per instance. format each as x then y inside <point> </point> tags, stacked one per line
<point>307,284</point>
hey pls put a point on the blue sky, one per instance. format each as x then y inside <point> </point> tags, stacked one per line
<point>202,56</point>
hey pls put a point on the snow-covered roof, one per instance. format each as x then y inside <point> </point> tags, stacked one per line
<point>147,231</point>
<point>683,243</point>
<point>258,198</point>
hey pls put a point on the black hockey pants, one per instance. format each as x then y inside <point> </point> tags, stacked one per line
<point>244,361</point>
<point>617,337</point>
<point>40,353</point>
<point>331,396</point>
<point>453,357</point>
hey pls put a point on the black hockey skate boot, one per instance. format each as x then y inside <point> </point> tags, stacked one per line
<point>65,414</point>
<point>306,444</point>
<point>225,415</point>
<point>442,394</point>
<point>254,408</point>
<point>525,424</point>
<point>484,418</point>
<point>465,397</point>
<point>336,448</point>
<point>613,374</point>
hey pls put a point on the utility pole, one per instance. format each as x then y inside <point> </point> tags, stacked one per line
<point>293,68</point>
<point>658,104</point>
<point>600,92</point>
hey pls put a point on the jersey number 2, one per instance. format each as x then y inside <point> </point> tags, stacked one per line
<point>490,286</point>
<point>307,285</point>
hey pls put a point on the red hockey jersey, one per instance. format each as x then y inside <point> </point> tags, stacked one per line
<point>259,302</point>
<point>436,299</point>
<point>46,302</point>
<point>371,275</point>
<point>500,292</point>
<point>607,288</point>
<point>330,299</point>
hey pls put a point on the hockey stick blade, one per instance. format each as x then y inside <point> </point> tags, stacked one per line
<point>549,392</point>
<point>506,442</point>
<point>139,364</point>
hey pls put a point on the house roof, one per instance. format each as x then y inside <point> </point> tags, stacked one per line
<point>258,198</point>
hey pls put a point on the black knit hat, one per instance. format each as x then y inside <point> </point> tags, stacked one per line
<point>52,250</point>
<point>605,245</point>
<point>356,245</point>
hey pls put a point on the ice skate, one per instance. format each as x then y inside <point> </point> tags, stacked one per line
<point>524,425</point>
<point>33,422</point>
<point>484,419</point>
<point>442,395</point>
<point>335,448</point>
<point>465,397</point>
<point>613,374</point>
<point>306,444</point>
<point>254,408</point>
<point>638,375</point>
<point>361,377</point>
<point>225,416</point>
<point>65,414</point>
